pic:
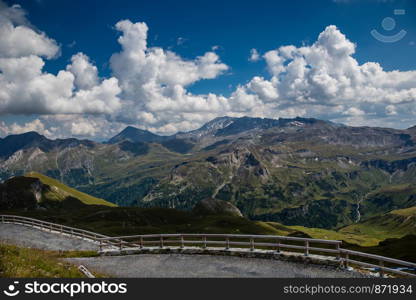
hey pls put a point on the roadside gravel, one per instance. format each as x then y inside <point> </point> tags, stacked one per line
<point>204,266</point>
<point>35,238</point>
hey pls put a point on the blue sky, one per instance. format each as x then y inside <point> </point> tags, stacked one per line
<point>235,26</point>
<point>191,28</point>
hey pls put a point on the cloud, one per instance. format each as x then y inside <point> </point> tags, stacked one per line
<point>26,89</point>
<point>62,126</point>
<point>138,64</point>
<point>35,125</point>
<point>353,111</point>
<point>18,39</point>
<point>86,74</point>
<point>325,80</point>
<point>149,86</point>
<point>254,55</point>
<point>154,81</point>
<point>180,41</point>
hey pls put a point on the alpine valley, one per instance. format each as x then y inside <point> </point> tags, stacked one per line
<point>303,173</point>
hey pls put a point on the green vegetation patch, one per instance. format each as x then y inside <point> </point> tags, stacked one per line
<point>60,191</point>
<point>319,233</point>
<point>18,262</point>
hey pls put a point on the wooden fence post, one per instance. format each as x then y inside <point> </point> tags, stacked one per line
<point>342,255</point>
<point>381,264</point>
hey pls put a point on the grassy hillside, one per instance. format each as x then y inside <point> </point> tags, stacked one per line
<point>396,224</point>
<point>349,237</point>
<point>389,198</point>
<point>368,233</point>
<point>400,248</point>
<point>406,212</point>
<point>18,262</point>
<point>129,221</point>
<point>60,191</point>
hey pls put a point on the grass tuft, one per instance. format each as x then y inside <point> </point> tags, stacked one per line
<point>19,262</point>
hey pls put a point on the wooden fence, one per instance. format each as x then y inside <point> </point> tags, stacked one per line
<point>62,229</point>
<point>233,242</point>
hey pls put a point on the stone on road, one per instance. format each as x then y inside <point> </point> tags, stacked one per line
<point>35,238</point>
<point>198,266</point>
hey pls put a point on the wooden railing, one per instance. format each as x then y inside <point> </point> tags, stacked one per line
<point>53,227</point>
<point>227,240</point>
<point>384,264</point>
<point>264,242</point>
<point>233,242</point>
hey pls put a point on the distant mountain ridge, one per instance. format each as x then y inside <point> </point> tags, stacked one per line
<point>134,135</point>
<point>220,126</point>
<point>299,171</point>
<point>13,143</point>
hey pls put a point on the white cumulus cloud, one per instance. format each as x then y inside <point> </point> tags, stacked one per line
<point>254,55</point>
<point>149,86</point>
<point>26,89</point>
<point>35,125</point>
<point>154,81</point>
<point>18,39</point>
<point>86,74</point>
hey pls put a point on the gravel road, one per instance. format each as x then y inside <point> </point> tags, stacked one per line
<point>35,238</point>
<point>199,266</point>
<point>166,265</point>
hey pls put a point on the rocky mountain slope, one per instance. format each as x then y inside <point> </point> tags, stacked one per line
<point>294,171</point>
<point>41,197</point>
<point>38,192</point>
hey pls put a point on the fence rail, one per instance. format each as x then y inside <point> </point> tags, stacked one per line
<point>62,229</point>
<point>227,240</point>
<point>230,241</point>
<point>264,242</point>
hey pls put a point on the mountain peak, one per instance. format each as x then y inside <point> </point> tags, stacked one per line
<point>12,143</point>
<point>245,123</point>
<point>26,135</point>
<point>218,123</point>
<point>131,128</point>
<point>209,128</point>
<point>134,135</point>
<point>223,126</point>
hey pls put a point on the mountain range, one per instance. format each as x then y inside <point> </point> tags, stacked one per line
<point>299,171</point>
